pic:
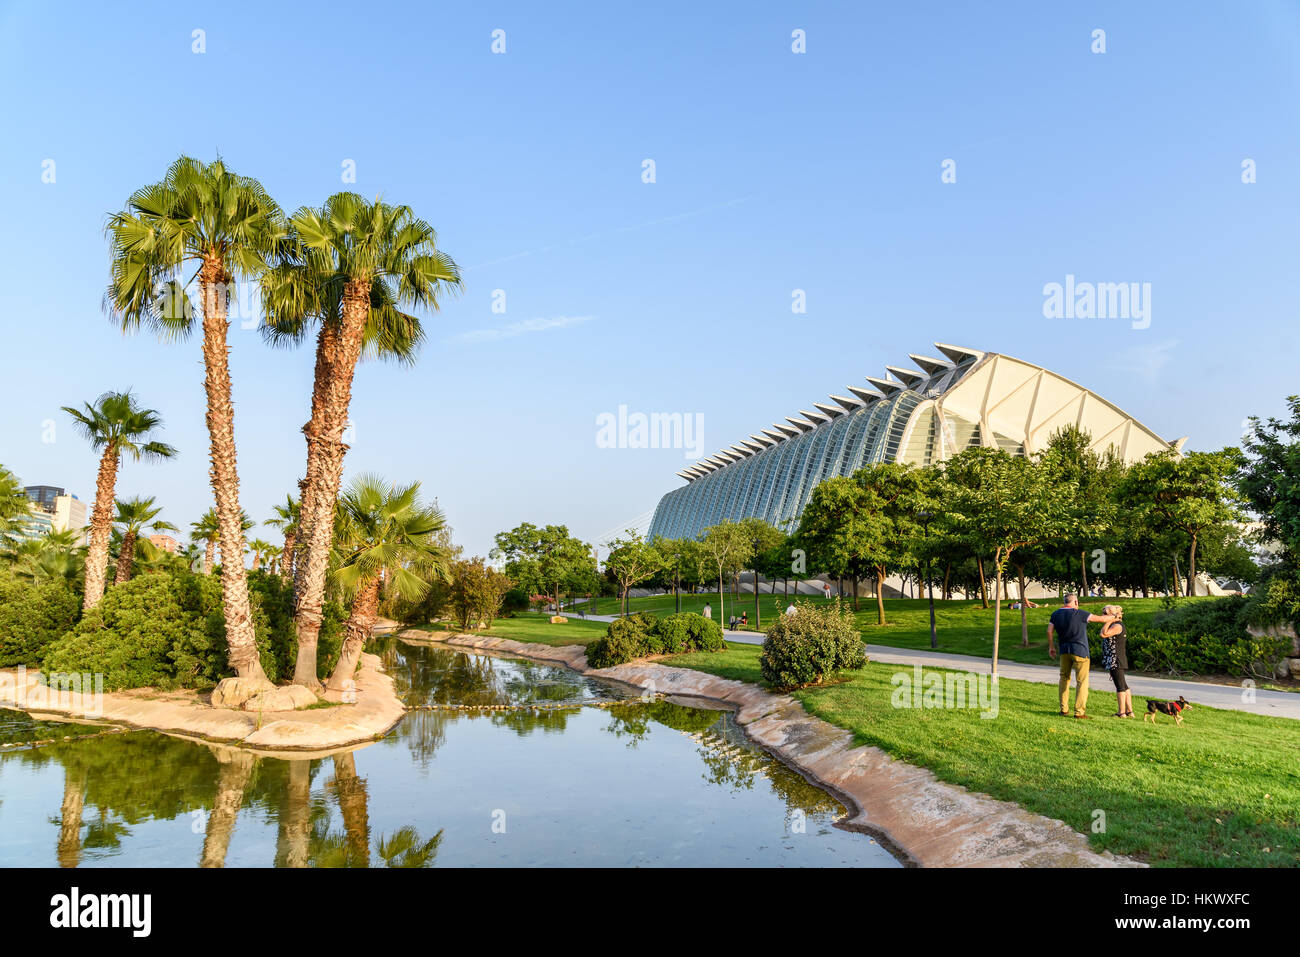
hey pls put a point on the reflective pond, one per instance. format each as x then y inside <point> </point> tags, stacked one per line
<point>571,772</point>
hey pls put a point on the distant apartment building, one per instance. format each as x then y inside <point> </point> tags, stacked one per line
<point>165,542</point>
<point>54,509</point>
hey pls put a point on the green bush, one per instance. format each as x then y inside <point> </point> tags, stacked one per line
<point>805,647</point>
<point>1275,601</point>
<point>167,630</point>
<point>32,615</point>
<point>688,631</point>
<point>1210,637</point>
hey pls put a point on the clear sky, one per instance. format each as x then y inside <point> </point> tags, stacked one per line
<point>774,171</point>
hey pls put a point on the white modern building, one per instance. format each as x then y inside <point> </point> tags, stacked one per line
<point>921,413</point>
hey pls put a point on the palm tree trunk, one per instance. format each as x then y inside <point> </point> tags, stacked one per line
<point>125,558</point>
<point>336,398</point>
<point>232,779</point>
<point>362,618</point>
<point>101,527</point>
<point>209,555</point>
<point>74,796</point>
<point>326,347</point>
<point>351,791</point>
<point>286,557</point>
<point>240,638</point>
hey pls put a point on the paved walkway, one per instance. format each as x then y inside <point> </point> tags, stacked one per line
<point>1277,704</point>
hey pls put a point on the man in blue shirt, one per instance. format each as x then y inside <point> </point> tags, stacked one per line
<point>1071,623</point>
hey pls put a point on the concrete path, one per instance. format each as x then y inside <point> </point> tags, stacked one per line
<point>1277,704</point>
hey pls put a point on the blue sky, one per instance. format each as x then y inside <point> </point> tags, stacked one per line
<point>774,171</point>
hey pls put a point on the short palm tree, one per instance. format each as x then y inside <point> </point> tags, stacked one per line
<point>205,531</point>
<point>134,515</point>
<point>351,267</point>
<point>262,550</point>
<point>227,225</point>
<point>56,555</point>
<point>382,530</point>
<point>286,520</point>
<point>14,508</point>
<point>115,426</point>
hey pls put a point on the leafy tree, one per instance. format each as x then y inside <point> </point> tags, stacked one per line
<point>632,560</point>
<point>728,546</point>
<point>115,426</point>
<point>227,224</point>
<point>1269,478</point>
<point>350,267</point>
<point>14,507</point>
<point>1010,502</point>
<point>546,559</point>
<point>381,529</point>
<point>1190,493</point>
<point>477,591</point>
<point>1089,481</point>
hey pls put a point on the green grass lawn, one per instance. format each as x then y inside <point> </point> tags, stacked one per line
<point>1221,790</point>
<point>538,628</point>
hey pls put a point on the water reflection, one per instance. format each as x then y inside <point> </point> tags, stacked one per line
<point>610,780</point>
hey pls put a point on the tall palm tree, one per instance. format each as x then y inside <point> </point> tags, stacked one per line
<point>286,520</point>
<point>350,266</point>
<point>134,515</point>
<point>115,426</point>
<point>382,529</point>
<point>227,225</point>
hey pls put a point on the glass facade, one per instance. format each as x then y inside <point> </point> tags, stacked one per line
<point>776,483</point>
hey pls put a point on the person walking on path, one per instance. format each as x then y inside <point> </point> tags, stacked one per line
<point>1071,623</point>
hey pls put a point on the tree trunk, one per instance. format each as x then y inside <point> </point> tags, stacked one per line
<point>286,557</point>
<point>1191,568</point>
<point>880,595</point>
<point>1178,574</point>
<point>855,594</point>
<point>364,608</point>
<point>101,528</point>
<point>997,610</point>
<point>232,779</point>
<point>326,347</point>
<point>293,843</point>
<point>225,475</point>
<point>74,797</point>
<point>209,555</point>
<point>351,791</point>
<point>1083,569</point>
<point>323,491</point>
<point>1024,608</point>
<point>947,571</point>
<point>125,558</point>
<point>984,588</point>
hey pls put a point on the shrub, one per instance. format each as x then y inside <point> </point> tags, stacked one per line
<point>32,615</point>
<point>1210,637</point>
<point>168,630</point>
<point>688,631</point>
<point>805,647</point>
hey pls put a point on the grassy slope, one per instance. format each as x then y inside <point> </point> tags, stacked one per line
<point>1222,789</point>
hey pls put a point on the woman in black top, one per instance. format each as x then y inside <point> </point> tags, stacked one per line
<point>1114,658</point>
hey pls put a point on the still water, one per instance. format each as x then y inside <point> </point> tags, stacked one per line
<point>574,772</point>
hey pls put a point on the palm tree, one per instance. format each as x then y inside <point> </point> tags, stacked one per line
<point>56,555</point>
<point>205,531</point>
<point>228,225</point>
<point>286,519</point>
<point>350,266</point>
<point>262,550</point>
<point>14,507</point>
<point>134,515</point>
<point>382,529</point>
<point>208,531</point>
<point>115,426</point>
